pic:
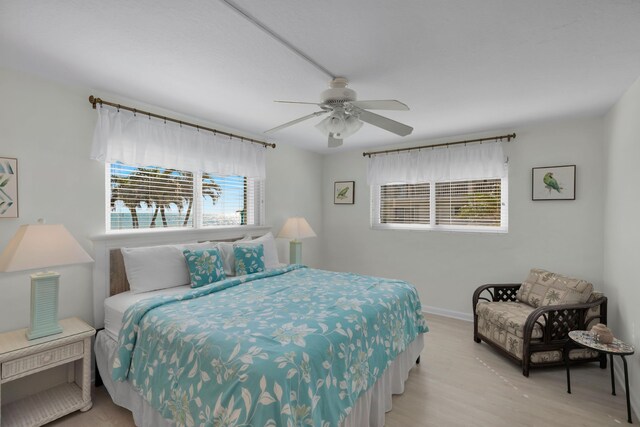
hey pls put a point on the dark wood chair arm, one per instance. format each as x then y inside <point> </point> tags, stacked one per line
<point>498,292</point>
<point>559,320</point>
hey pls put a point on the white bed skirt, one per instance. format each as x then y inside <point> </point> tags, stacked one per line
<point>369,409</point>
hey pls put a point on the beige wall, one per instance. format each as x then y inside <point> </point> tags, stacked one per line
<point>622,226</point>
<point>48,127</point>
<point>562,236</point>
<point>294,188</point>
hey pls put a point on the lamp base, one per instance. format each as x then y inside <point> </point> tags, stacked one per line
<point>44,305</point>
<point>295,252</point>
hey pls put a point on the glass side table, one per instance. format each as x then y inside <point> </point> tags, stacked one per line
<point>588,340</point>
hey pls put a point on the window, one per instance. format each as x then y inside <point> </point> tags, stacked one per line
<point>404,203</point>
<point>157,198</point>
<point>471,205</point>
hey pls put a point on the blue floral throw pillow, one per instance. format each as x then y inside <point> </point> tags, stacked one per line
<point>249,259</point>
<point>205,266</point>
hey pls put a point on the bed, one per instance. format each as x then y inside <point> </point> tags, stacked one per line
<point>287,346</point>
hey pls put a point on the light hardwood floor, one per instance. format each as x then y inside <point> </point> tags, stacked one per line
<point>461,383</point>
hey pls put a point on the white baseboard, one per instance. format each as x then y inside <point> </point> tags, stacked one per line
<point>448,313</point>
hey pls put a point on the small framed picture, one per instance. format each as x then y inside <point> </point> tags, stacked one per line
<point>8,187</point>
<point>343,192</point>
<point>554,183</point>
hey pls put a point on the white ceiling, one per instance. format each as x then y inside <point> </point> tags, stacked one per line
<point>461,65</point>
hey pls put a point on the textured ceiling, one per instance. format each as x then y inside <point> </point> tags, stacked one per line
<point>461,65</point>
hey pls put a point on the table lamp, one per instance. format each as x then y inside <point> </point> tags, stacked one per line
<point>37,246</point>
<point>296,228</point>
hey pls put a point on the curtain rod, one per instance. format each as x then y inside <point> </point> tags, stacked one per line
<point>508,137</point>
<point>95,101</point>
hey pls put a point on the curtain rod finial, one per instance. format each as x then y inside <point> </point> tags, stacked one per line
<point>92,100</point>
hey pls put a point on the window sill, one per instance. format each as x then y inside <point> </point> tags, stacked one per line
<point>451,229</point>
<point>177,234</point>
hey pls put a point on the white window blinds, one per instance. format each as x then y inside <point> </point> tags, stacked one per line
<point>404,204</point>
<point>150,197</point>
<point>471,205</point>
<point>476,202</point>
<point>159,198</point>
<point>230,200</point>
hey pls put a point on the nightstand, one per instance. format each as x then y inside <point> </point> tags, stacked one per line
<point>20,357</point>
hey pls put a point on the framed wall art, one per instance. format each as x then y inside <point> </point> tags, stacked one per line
<point>553,183</point>
<point>8,187</point>
<point>343,192</point>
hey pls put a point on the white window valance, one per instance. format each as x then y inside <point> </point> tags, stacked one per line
<point>137,140</point>
<point>451,163</point>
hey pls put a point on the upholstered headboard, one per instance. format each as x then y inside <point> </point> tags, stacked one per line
<point>109,275</point>
<point>118,282</point>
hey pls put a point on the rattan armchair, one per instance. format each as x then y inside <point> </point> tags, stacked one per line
<point>544,332</point>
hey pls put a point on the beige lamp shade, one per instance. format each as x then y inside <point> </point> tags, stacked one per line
<point>296,228</point>
<point>37,246</point>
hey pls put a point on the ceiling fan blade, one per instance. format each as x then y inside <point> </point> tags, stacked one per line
<point>297,102</point>
<point>383,122</point>
<point>293,122</point>
<point>334,142</point>
<point>382,104</point>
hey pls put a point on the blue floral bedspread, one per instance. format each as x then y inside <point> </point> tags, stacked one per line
<point>287,347</point>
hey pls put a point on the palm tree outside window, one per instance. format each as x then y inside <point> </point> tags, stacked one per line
<point>162,198</point>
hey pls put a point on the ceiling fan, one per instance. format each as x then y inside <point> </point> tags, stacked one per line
<point>346,114</point>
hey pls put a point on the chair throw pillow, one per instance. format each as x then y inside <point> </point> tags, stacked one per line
<point>205,266</point>
<point>544,288</point>
<point>249,258</point>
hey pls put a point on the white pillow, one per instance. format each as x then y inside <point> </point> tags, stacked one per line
<point>268,244</point>
<point>270,250</point>
<point>228,258</point>
<point>158,267</point>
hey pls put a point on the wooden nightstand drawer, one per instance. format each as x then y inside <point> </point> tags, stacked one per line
<point>45,358</point>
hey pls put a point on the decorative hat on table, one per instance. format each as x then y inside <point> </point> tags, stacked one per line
<point>38,246</point>
<point>604,334</point>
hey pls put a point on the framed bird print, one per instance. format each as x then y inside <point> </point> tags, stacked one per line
<point>554,183</point>
<point>8,187</point>
<point>343,192</point>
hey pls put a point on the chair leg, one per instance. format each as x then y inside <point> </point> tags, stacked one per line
<point>525,366</point>
<point>418,360</point>
<point>476,338</point>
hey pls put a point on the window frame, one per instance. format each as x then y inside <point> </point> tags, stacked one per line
<point>197,213</point>
<point>432,226</point>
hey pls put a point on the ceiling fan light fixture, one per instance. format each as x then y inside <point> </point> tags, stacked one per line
<point>335,123</point>
<point>340,124</point>
<point>351,126</point>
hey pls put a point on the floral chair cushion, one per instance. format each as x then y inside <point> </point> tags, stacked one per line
<point>544,288</point>
<point>249,259</point>
<point>509,316</point>
<point>205,266</point>
<point>503,324</point>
